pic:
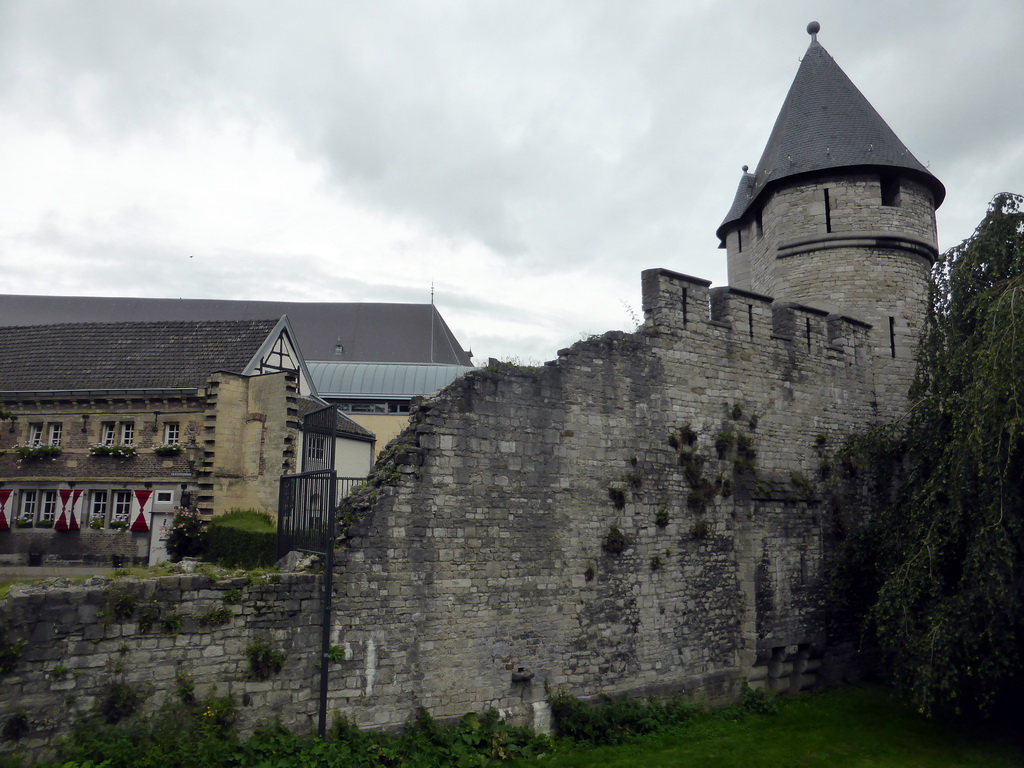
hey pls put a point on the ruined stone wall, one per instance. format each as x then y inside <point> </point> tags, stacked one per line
<point>642,514</point>
<point>490,554</point>
<point>158,636</point>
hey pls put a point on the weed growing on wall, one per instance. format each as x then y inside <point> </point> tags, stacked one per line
<point>16,727</point>
<point>215,616</point>
<point>615,542</point>
<point>117,701</point>
<point>264,660</point>
<point>10,654</point>
<point>171,623</point>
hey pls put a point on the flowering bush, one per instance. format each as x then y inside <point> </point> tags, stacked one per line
<point>168,449</point>
<point>34,452</point>
<point>117,451</point>
<point>188,534</point>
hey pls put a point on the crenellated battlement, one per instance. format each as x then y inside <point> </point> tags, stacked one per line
<point>676,302</point>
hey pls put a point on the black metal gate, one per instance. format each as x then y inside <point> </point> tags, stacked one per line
<point>319,437</point>
<point>306,520</point>
<point>305,512</point>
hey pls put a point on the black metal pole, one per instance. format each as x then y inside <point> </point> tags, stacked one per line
<point>325,635</point>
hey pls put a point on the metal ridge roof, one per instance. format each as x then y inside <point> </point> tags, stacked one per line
<point>397,380</point>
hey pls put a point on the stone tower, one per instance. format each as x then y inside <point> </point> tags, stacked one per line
<point>840,216</point>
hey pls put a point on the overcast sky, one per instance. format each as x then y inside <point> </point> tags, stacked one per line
<point>527,157</point>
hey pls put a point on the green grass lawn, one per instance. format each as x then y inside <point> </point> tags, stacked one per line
<point>860,726</point>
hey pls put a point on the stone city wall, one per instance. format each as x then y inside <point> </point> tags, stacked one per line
<point>642,514</point>
<point>157,636</point>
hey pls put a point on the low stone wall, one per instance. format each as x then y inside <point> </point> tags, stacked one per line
<point>156,635</point>
<point>28,547</point>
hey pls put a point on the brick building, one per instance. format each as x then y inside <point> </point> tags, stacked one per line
<point>109,426</point>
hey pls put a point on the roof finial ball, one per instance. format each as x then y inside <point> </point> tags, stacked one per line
<point>812,29</point>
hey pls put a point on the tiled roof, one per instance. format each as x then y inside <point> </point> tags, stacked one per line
<point>105,356</point>
<point>366,332</point>
<point>826,124</point>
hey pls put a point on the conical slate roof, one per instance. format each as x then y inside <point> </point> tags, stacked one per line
<point>826,124</point>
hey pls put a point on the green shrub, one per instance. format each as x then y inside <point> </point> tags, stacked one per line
<point>615,720</point>
<point>188,534</point>
<point>242,538</point>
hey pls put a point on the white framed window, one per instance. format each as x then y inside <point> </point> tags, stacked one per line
<point>35,434</point>
<point>28,505</point>
<point>172,433</point>
<point>122,506</point>
<point>164,497</point>
<point>48,506</point>
<point>107,432</point>
<point>98,506</point>
<point>127,432</point>
<point>53,432</point>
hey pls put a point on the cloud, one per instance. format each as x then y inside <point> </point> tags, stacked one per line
<point>528,158</point>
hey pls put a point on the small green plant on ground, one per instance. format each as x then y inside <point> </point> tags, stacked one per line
<point>842,727</point>
<point>264,660</point>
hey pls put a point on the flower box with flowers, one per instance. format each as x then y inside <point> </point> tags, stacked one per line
<point>37,452</point>
<point>168,449</point>
<point>117,451</point>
